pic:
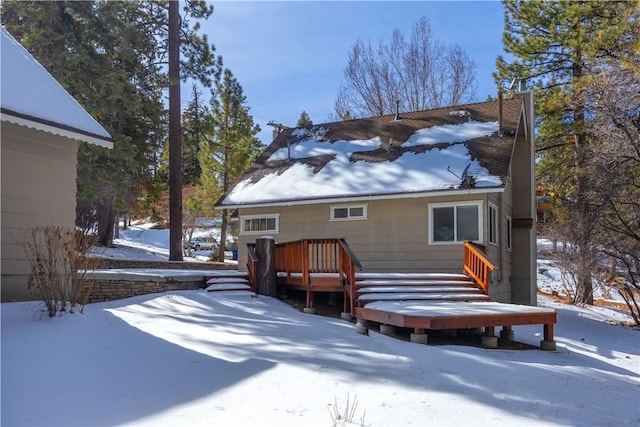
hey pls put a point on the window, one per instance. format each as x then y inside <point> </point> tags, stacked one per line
<point>455,223</point>
<point>507,232</point>
<point>258,224</point>
<point>493,224</point>
<point>346,212</point>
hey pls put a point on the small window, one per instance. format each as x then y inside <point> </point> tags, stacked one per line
<point>342,212</point>
<point>257,224</point>
<point>493,224</point>
<point>507,232</point>
<point>455,223</point>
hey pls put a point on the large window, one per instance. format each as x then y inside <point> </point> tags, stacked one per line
<point>258,224</point>
<point>455,222</point>
<point>346,212</point>
<point>493,224</point>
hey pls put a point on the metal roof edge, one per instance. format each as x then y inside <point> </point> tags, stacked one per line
<point>55,128</point>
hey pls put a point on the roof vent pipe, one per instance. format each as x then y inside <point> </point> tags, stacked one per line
<point>499,112</point>
<point>397,111</point>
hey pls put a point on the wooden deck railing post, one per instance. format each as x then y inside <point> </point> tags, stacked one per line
<point>267,280</point>
<point>477,266</point>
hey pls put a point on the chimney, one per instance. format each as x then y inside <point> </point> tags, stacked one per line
<point>499,112</point>
<point>397,111</point>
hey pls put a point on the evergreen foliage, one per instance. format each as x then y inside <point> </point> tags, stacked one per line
<point>304,121</point>
<point>109,56</point>
<point>233,147</point>
<point>560,49</point>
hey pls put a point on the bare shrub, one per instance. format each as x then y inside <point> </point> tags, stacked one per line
<point>59,267</point>
<point>345,417</point>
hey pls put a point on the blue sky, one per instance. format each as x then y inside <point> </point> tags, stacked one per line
<point>289,56</point>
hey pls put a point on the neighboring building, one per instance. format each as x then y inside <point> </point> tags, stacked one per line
<point>405,191</point>
<point>41,125</point>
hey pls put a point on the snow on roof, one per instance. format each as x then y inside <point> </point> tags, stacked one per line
<point>411,172</point>
<point>32,97</point>
<point>451,133</point>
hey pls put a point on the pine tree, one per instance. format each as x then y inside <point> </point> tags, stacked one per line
<point>109,56</point>
<point>558,47</point>
<point>196,124</point>
<point>234,144</point>
<point>304,121</point>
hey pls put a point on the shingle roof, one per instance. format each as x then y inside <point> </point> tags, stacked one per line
<point>421,152</point>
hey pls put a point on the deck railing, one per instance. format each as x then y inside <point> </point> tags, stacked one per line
<point>311,256</point>
<point>477,265</point>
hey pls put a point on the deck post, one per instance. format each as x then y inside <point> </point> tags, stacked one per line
<point>267,280</point>
<point>548,344</point>
<point>507,333</point>
<point>419,336</point>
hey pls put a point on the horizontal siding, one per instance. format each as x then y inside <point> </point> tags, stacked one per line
<point>394,237</point>
<point>38,172</point>
<point>14,288</point>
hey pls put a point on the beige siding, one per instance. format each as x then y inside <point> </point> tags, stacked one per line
<point>38,188</point>
<point>394,237</point>
<point>524,286</point>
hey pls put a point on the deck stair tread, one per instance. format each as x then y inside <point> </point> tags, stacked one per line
<point>215,280</point>
<point>424,289</point>
<point>227,273</point>
<point>228,280</point>
<point>423,296</point>
<point>372,283</point>
<point>392,286</point>
<point>411,276</point>
<point>233,286</point>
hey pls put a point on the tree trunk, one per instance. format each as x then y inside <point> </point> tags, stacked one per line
<point>106,220</point>
<point>175,143</point>
<point>266,251</point>
<point>223,236</point>
<point>116,227</point>
<point>584,244</point>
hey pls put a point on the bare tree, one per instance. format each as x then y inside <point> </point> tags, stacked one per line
<point>420,71</point>
<point>614,100</point>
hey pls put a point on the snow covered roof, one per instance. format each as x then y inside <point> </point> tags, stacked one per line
<point>379,157</point>
<point>30,96</point>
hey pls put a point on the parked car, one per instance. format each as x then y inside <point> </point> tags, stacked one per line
<point>202,243</point>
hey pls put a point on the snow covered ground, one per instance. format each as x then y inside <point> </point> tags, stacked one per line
<point>142,242</point>
<point>228,359</point>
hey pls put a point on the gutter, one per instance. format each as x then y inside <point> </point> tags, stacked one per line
<point>56,128</point>
<point>363,198</point>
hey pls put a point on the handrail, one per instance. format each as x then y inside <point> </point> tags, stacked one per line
<point>350,263</point>
<point>477,266</point>
<point>252,266</point>
<point>349,252</point>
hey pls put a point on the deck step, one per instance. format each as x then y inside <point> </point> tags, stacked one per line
<point>228,280</point>
<point>232,286</point>
<point>396,296</point>
<point>410,276</point>
<point>370,283</point>
<point>418,289</point>
<point>391,286</point>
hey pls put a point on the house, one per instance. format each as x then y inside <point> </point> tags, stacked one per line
<point>41,127</point>
<point>405,191</point>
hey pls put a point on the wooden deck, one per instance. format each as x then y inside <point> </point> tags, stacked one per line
<point>421,302</point>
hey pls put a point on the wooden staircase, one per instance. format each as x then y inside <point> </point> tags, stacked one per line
<point>372,287</point>
<point>229,280</point>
